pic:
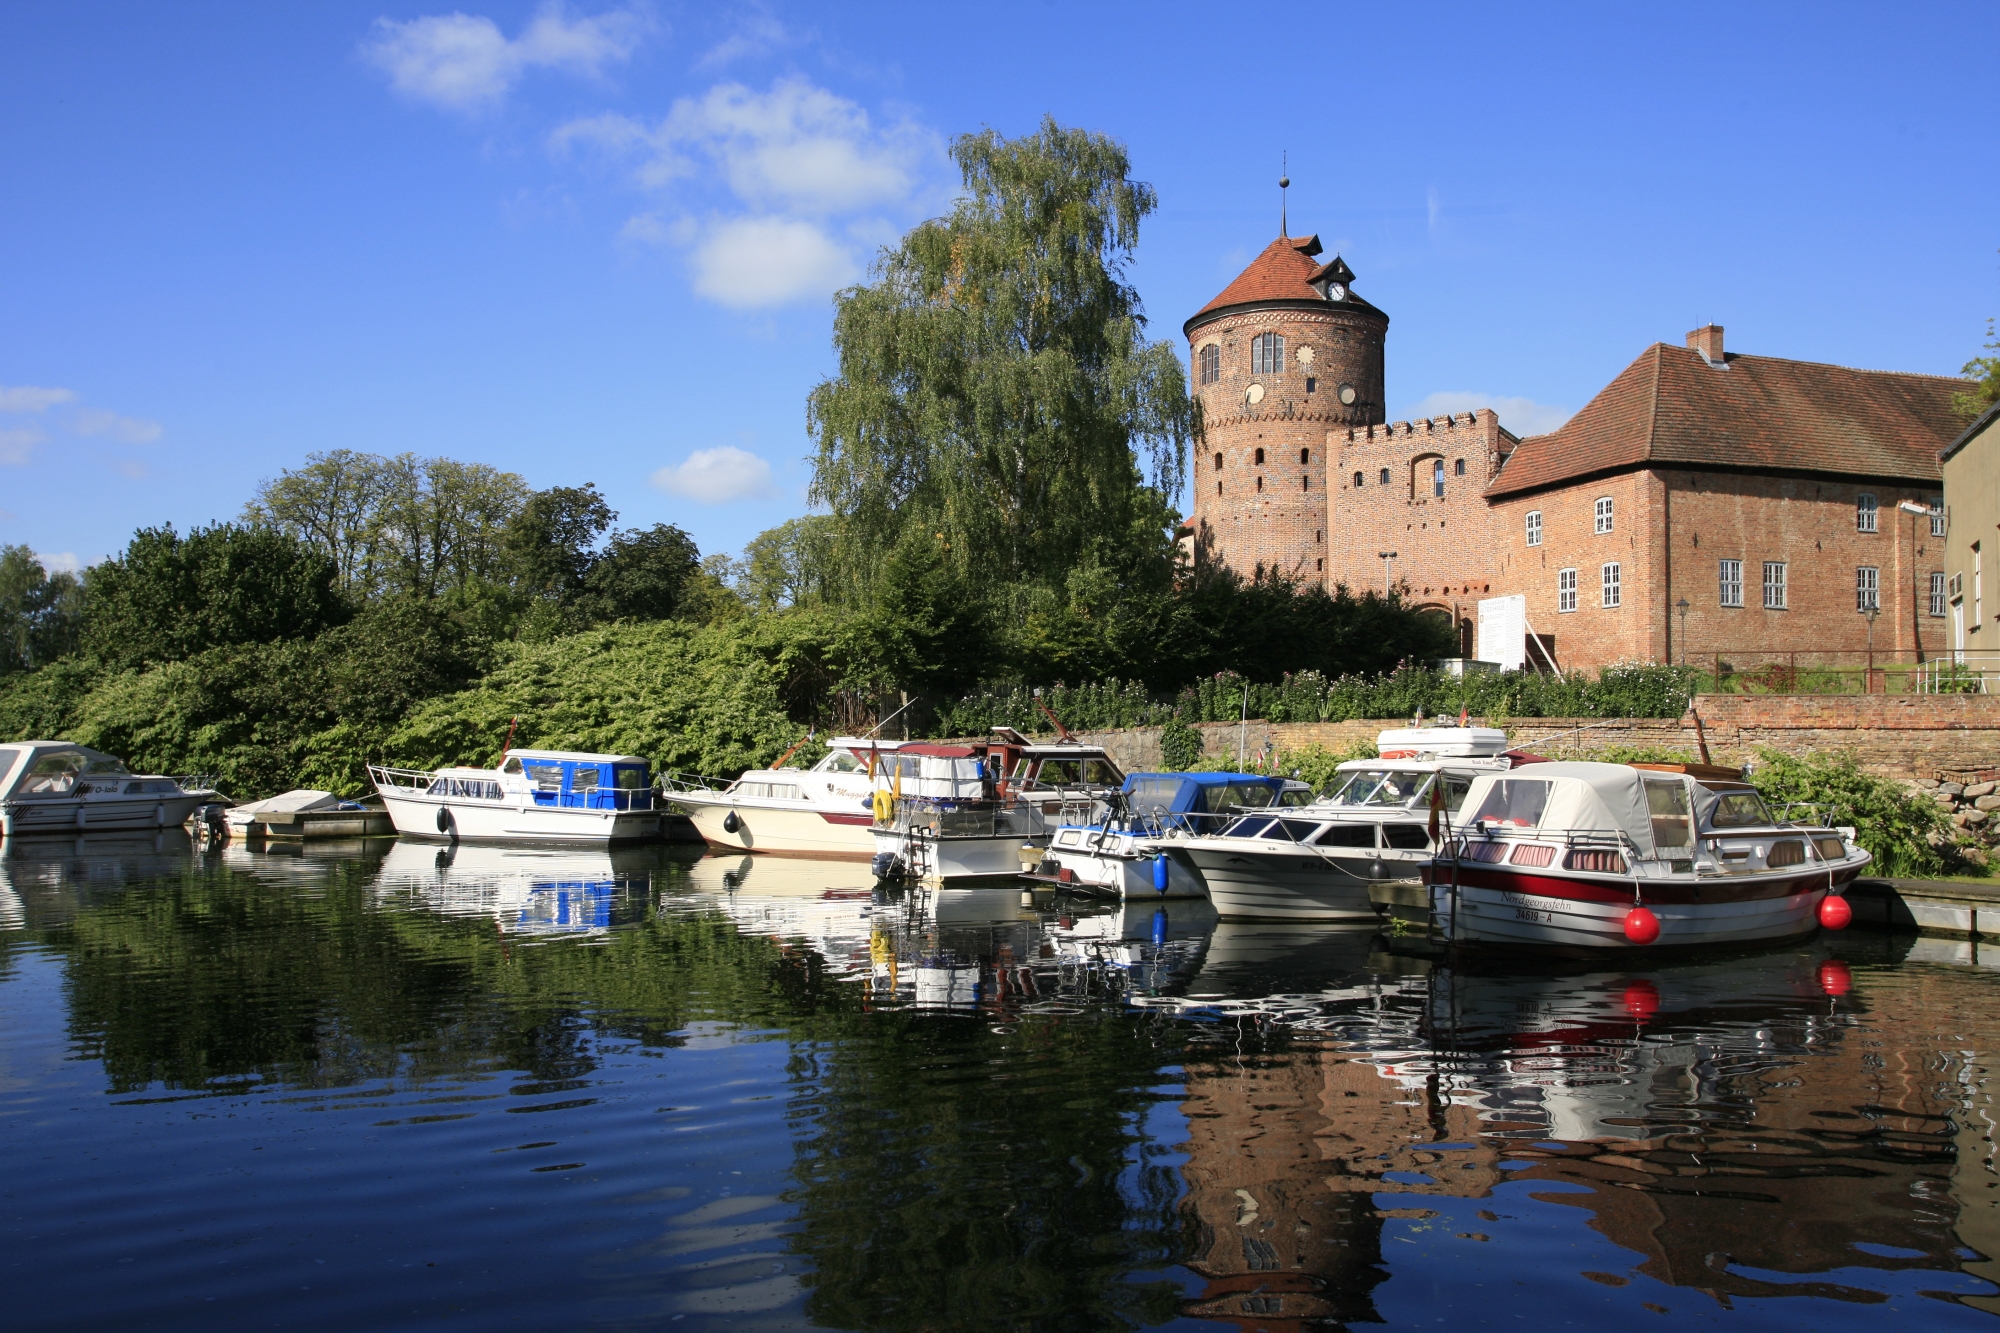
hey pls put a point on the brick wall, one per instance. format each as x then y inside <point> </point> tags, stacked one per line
<point>1592,634</point>
<point>1896,736</point>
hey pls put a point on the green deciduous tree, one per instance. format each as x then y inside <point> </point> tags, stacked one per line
<point>41,614</point>
<point>995,382</point>
<point>1984,372</point>
<point>643,574</point>
<point>168,597</point>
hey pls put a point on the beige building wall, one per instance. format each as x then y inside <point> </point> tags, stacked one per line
<point>1972,540</point>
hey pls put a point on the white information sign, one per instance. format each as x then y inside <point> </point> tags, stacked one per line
<point>1503,631</point>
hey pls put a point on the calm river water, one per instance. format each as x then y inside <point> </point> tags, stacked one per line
<point>402,1086</point>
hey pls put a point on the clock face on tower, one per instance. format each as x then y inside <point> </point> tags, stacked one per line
<point>1336,292</point>
<point>1347,395</point>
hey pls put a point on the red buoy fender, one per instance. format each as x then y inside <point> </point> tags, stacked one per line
<point>1834,913</point>
<point>1641,926</point>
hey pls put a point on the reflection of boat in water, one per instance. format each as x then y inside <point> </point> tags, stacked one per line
<point>1248,960</point>
<point>529,889</point>
<point>830,904</point>
<point>45,879</point>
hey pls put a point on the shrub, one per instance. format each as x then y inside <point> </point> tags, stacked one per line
<point>1180,745</point>
<point>1907,832</point>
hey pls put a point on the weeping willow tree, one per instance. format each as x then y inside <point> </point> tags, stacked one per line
<point>997,398</point>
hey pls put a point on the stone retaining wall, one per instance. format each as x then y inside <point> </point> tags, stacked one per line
<point>1893,736</point>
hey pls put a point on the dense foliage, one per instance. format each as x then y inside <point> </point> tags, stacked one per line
<point>41,614</point>
<point>1908,833</point>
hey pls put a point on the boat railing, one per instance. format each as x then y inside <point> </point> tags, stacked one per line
<point>945,818</point>
<point>196,783</point>
<point>692,783</point>
<point>414,780</point>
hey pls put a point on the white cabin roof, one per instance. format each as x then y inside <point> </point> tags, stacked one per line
<point>576,756</point>
<point>1443,742</point>
<point>1581,797</point>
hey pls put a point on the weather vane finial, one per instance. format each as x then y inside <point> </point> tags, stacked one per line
<point>1284,184</point>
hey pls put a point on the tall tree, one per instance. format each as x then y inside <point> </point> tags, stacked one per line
<point>40,612</point>
<point>552,540</point>
<point>995,382</point>
<point>168,597</point>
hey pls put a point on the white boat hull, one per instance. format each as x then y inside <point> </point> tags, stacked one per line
<point>453,817</point>
<point>1123,869</point>
<point>934,859</point>
<point>72,814</point>
<point>1260,881</point>
<point>779,827</point>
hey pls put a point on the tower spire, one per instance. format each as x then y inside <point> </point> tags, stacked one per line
<point>1284,184</point>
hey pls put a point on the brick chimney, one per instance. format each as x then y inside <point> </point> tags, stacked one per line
<point>1708,341</point>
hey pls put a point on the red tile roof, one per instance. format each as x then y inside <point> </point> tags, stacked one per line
<point>1281,273</point>
<point>1672,407</point>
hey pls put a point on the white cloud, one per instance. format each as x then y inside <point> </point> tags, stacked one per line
<point>60,562</point>
<point>463,62</point>
<point>810,170</point>
<point>755,35</point>
<point>751,262</point>
<point>717,476</point>
<point>27,398</point>
<point>1523,416</point>
<point>126,430</point>
<point>17,444</point>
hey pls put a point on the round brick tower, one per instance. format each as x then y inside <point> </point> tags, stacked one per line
<point>1282,357</point>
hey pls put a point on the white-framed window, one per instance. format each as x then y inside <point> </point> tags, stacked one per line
<point>1534,527</point>
<point>1565,590</point>
<point>1865,513</point>
<point>1938,598</point>
<point>1937,516</point>
<point>1267,354</point>
<point>1437,478</point>
<point>1730,579</point>
<point>1604,513</point>
<point>1774,585</point>
<point>1211,364</point>
<point>1614,591</point>
<point>1867,588</point>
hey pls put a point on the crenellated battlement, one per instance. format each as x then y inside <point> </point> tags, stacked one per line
<point>1406,430</point>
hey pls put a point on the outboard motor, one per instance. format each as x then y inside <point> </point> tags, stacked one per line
<point>887,865</point>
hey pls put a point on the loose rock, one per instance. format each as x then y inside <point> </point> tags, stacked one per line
<point>1979,789</point>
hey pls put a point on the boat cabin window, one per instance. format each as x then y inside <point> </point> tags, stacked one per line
<point>631,779</point>
<point>1517,802</point>
<point>513,765</point>
<point>1347,835</point>
<point>1673,816</point>
<point>1457,786</point>
<point>1249,826</point>
<point>1409,837</point>
<point>1158,794</point>
<point>838,761</point>
<point>583,777</point>
<point>105,767</point>
<point>1244,795</point>
<point>1383,786</point>
<point>1074,772</point>
<point>52,774</point>
<point>546,776</point>
<point>1295,796</point>
<point>1739,809</point>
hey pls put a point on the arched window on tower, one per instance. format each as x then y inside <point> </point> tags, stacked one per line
<point>1260,458</point>
<point>1458,468</point>
<point>1218,462</point>
<point>1437,479</point>
<point>1305,456</point>
<point>1357,480</point>
<point>1306,482</point>
<point>1385,478</point>
<point>1210,362</point>
<point>1267,354</point>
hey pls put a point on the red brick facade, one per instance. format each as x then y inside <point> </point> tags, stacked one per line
<point>1701,456</point>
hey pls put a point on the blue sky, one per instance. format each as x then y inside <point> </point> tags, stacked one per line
<point>596,242</point>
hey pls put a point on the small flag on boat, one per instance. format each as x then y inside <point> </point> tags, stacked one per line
<point>1462,715</point>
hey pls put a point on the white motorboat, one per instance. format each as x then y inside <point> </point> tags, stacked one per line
<point>62,787</point>
<point>1616,856</point>
<point>559,796</point>
<point>1318,862</point>
<point>1110,848</point>
<point>978,811</point>
<point>824,811</point>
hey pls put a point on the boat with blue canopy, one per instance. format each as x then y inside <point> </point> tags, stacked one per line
<point>563,796</point>
<point>1111,847</point>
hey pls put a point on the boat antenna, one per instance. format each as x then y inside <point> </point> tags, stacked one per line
<point>891,718</point>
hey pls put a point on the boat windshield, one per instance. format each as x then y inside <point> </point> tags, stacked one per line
<point>838,761</point>
<point>1243,795</point>
<point>1077,772</point>
<point>1739,809</point>
<point>1383,787</point>
<point>52,774</point>
<point>632,779</point>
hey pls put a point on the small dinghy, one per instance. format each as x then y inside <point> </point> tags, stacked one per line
<point>1613,856</point>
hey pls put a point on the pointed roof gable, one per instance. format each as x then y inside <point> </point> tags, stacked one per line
<point>1672,407</point>
<point>1283,272</point>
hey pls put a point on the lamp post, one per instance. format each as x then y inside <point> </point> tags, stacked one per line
<point>1874,609</point>
<point>1915,510</point>
<point>1682,607</point>
<point>1388,583</point>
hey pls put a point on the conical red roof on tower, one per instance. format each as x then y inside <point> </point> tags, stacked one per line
<point>1282,273</point>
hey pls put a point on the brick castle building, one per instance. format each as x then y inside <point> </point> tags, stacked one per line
<point>1763,492</point>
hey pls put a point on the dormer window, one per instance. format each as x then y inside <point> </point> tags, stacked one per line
<point>1210,363</point>
<point>1267,354</point>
